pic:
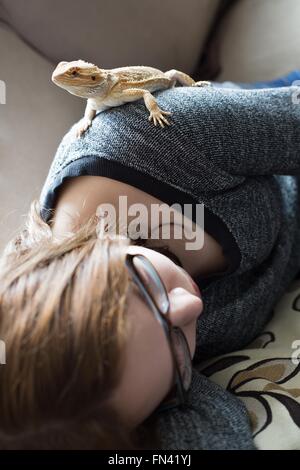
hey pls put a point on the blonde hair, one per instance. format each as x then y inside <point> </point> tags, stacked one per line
<point>63,321</point>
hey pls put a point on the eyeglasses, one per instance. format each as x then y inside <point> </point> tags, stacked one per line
<point>154,292</point>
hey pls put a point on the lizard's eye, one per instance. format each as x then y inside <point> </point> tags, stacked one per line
<point>93,77</point>
<point>74,73</point>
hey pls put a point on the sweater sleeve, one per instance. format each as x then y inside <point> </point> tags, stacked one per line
<point>214,419</point>
<point>249,132</point>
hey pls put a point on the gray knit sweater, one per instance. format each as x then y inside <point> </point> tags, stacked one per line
<point>236,151</point>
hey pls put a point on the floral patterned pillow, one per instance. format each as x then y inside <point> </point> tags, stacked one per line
<point>266,376</point>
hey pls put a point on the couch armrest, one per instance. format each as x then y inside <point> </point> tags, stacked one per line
<point>32,121</point>
<point>259,40</point>
<point>166,34</point>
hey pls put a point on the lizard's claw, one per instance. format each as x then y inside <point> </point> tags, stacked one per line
<point>82,126</point>
<point>202,83</point>
<point>158,117</point>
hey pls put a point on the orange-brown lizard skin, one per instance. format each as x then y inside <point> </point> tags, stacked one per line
<point>104,88</point>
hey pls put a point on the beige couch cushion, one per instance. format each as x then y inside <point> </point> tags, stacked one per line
<point>260,40</point>
<point>32,121</point>
<point>165,34</point>
<point>266,376</point>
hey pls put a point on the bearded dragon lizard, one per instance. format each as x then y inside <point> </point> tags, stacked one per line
<point>104,88</point>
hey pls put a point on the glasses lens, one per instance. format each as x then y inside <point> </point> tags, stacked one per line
<point>158,293</point>
<point>183,356</point>
<point>152,282</point>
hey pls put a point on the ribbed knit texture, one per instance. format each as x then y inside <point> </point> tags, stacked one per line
<point>236,151</point>
<point>214,420</point>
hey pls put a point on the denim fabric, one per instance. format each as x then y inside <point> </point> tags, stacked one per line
<point>293,78</point>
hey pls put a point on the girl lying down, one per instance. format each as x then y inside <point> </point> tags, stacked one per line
<point>103,333</point>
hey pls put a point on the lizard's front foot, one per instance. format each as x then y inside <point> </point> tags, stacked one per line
<point>157,115</point>
<point>202,83</point>
<point>82,126</point>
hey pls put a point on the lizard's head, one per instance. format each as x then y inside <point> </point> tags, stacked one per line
<point>78,77</point>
